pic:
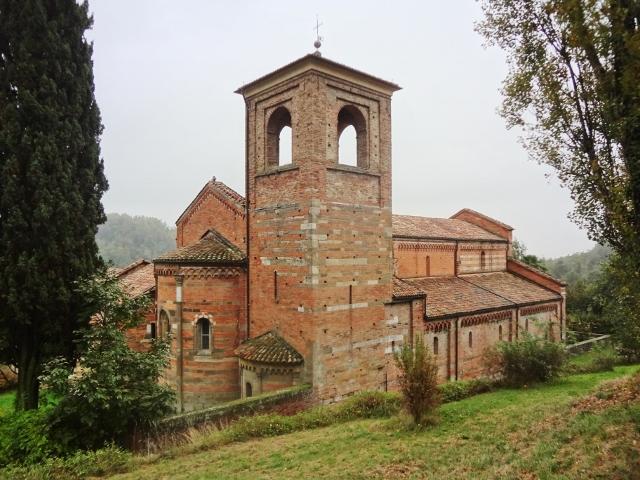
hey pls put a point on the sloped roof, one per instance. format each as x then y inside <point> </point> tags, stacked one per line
<point>410,226</point>
<point>311,61</point>
<point>269,348</point>
<point>137,278</point>
<point>223,192</point>
<point>514,288</point>
<point>453,295</point>
<point>211,249</point>
<point>466,294</point>
<point>538,271</point>
<point>482,215</point>
<point>403,290</point>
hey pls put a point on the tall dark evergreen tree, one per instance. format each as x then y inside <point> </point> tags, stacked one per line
<point>51,182</point>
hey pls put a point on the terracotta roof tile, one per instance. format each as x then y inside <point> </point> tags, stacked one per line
<point>211,249</point>
<point>453,295</point>
<point>269,348</point>
<point>469,293</point>
<point>136,278</point>
<point>439,228</point>
<point>404,290</point>
<point>514,288</point>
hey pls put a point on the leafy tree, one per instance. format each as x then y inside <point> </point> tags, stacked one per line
<point>113,391</point>
<point>520,253</point>
<point>51,179</point>
<point>123,238</point>
<point>418,379</point>
<point>573,87</point>
<point>583,266</point>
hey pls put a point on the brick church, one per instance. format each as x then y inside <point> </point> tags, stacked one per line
<point>311,278</point>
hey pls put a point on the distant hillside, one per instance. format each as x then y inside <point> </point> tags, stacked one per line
<point>123,238</point>
<point>578,266</point>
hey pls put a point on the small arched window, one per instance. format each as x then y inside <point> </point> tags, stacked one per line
<point>348,153</point>
<point>203,332</point>
<point>500,332</point>
<point>248,390</point>
<point>164,324</point>
<point>427,268</point>
<point>279,138</point>
<point>470,340</point>
<point>483,260</point>
<point>435,345</point>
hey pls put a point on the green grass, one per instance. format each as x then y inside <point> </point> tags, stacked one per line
<point>506,434</point>
<point>6,402</point>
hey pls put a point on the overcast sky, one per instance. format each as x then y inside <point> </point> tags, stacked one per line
<point>165,72</point>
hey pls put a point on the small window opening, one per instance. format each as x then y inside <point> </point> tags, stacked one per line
<point>435,345</point>
<point>428,266</point>
<point>279,138</point>
<point>248,390</point>
<point>500,332</point>
<point>204,334</point>
<point>151,330</point>
<point>483,260</point>
<point>470,340</point>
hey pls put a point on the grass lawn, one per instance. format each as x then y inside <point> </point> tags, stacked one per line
<point>6,402</point>
<point>507,434</point>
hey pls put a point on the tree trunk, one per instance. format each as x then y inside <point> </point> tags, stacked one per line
<point>28,370</point>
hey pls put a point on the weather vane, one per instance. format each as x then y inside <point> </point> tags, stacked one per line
<point>318,42</point>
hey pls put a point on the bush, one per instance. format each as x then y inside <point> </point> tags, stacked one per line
<point>454,391</point>
<point>114,391</point>
<point>106,461</point>
<point>527,360</point>
<point>24,437</point>
<point>418,379</point>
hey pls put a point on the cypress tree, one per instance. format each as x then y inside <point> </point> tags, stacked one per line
<point>51,182</point>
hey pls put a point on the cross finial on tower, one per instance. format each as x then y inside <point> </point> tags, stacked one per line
<point>318,42</point>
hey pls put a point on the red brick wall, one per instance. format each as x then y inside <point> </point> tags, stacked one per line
<point>218,294</point>
<point>470,257</point>
<point>211,212</point>
<point>410,259</point>
<point>326,230</point>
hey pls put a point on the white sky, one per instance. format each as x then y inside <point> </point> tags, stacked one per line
<point>165,72</point>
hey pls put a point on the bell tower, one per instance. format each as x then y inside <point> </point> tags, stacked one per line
<point>319,233</point>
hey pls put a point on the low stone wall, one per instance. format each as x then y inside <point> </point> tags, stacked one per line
<point>171,429</point>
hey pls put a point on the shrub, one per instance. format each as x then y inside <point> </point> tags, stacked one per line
<point>24,437</point>
<point>115,391</point>
<point>418,379</point>
<point>599,359</point>
<point>454,391</point>
<point>527,360</point>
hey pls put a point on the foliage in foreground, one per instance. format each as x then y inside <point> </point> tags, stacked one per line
<point>106,461</point>
<point>418,379</point>
<point>52,180</point>
<point>114,391</point>
<point>526,360</point>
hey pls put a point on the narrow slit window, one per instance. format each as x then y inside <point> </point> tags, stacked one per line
<point>204,334</point>
<point>435,345</point>
<point>470,340</point>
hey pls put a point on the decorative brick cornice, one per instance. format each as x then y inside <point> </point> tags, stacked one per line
<point>539,309</point>
<point>437,326</point>
<point>482,246</point>
<point>425,246</point>
<point>198,272</point>
<point>486,318</point>
<point>261,368</point>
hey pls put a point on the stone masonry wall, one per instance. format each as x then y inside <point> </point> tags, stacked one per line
<point>209,376</point>
<point>321,257</point>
